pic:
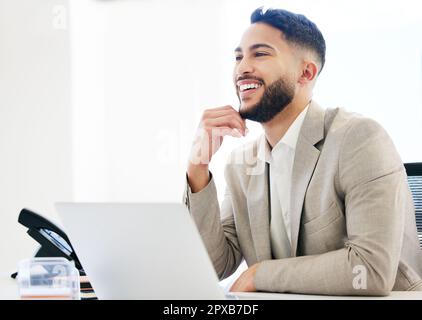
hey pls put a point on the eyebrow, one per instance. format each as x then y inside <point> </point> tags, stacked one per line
<point>255,46</point>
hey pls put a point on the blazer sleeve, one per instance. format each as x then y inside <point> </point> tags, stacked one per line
<point>216,227</point>
<point>376,199</point>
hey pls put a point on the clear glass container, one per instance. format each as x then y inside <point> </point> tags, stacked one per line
<point>48,278</point>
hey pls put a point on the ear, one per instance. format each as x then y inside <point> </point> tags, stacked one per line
<point>309,72</point>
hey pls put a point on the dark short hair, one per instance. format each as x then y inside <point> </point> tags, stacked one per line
<point>296,28</point>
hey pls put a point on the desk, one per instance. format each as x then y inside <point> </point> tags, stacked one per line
<point>8,287</point>
<point>395,295</point>
<point>9,291</point>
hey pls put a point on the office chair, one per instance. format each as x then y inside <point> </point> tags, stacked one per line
<point>414,177</point>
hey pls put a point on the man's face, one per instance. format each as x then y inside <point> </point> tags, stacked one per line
<point>265,72</point>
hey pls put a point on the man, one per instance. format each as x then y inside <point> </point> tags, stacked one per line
<point>320,203</point>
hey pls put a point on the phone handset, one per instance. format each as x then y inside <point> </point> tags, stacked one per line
<point>53,240</point>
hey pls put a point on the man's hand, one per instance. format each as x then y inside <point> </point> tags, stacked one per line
<point>215,124</point>
<point>245,281</point>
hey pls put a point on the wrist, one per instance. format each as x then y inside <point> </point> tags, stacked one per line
<point>198,176</point>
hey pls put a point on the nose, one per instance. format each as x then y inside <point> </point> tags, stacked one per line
<point>244,67</point>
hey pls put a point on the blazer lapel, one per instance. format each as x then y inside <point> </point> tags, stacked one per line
<point>258,208</point>
<point>306,158</point>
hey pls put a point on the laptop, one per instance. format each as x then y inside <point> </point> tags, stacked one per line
<point>141,251</point>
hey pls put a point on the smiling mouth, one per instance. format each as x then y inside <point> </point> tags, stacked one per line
<point>249,86</point>
<point>247,90</point>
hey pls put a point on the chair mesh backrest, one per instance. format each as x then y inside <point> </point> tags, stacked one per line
<point>414,177</point>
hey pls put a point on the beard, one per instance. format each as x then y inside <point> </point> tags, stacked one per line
<point>274,100</point>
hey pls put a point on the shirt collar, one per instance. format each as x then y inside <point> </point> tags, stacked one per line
<point>290,138</point>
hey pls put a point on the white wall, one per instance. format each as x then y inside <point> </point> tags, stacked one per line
<point>35,148</point>
<point>141,74</point>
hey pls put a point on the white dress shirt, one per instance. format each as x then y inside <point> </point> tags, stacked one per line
<point>280,160</point>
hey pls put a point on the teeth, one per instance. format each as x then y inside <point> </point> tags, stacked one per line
<point>244,87</point>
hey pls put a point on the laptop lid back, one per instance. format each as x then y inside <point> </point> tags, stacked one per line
<point>140,251</point>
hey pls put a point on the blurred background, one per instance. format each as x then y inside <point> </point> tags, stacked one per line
<point>99,100</point>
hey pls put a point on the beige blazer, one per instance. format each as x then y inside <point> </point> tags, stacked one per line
<point>352,216</point>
